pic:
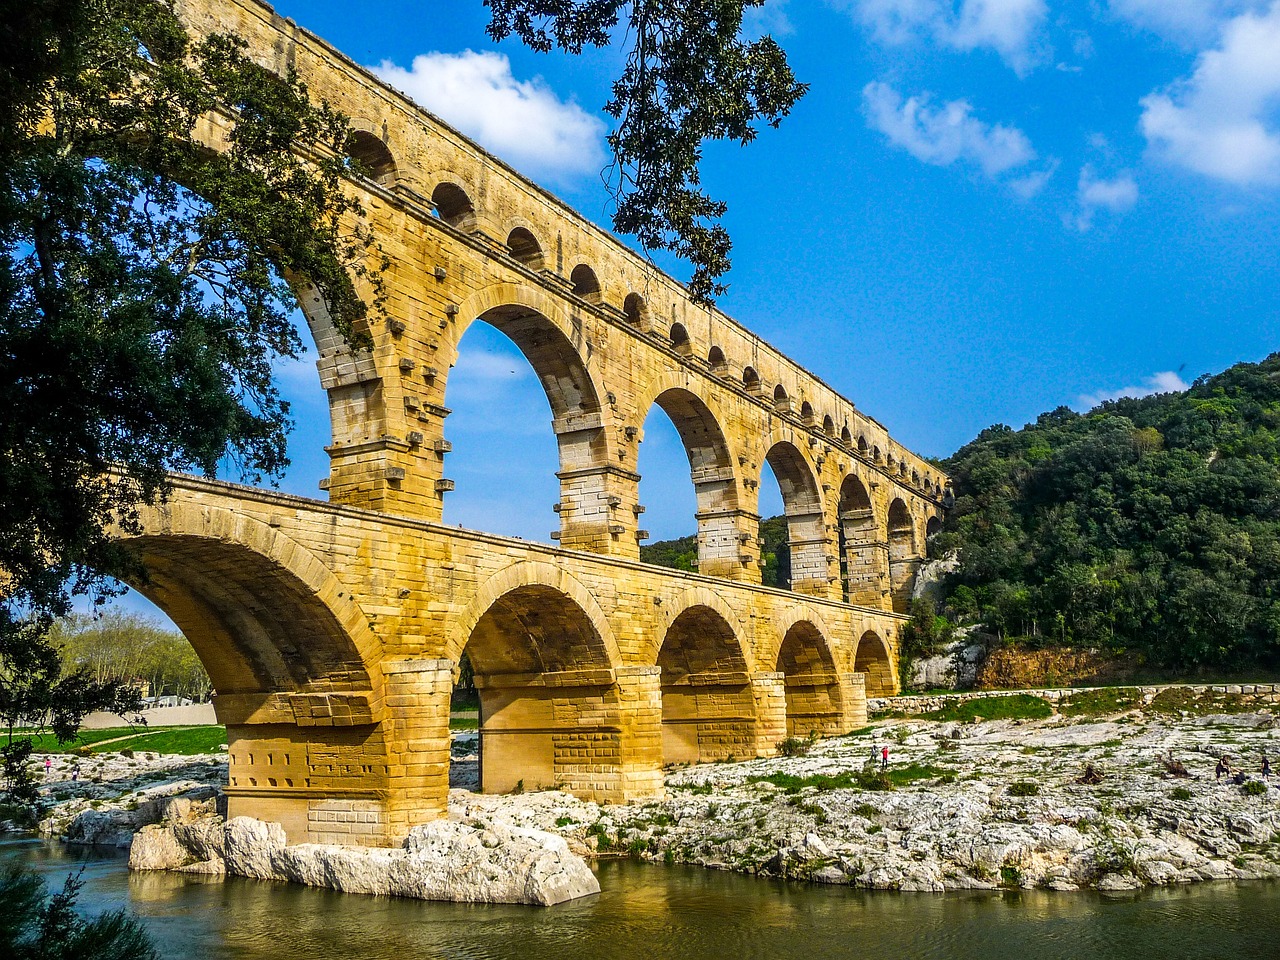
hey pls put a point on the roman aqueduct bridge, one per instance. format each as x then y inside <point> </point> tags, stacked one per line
<point>333,630</point>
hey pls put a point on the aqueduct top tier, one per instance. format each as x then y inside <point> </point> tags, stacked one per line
<point>608,335</point>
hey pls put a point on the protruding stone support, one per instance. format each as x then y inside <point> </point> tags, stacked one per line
<point>769,693</point>
<point>867,571</point>
<point>853,701</point>
<point>810,569</point>
<point>728,545</point>
<point>589,732</point>
<point>417,736</point>
<point>598,510</point>
<point>709,716</point>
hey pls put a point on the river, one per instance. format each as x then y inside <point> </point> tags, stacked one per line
<point>649,912</point>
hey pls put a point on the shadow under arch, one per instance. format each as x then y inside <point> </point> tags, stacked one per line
<point>711,470</point>
<point>872,658</point>
<point>295,667</point>
<point>802,504</point>
<point>708,708</point>
<point>815,700</point>
<point>544,668</point>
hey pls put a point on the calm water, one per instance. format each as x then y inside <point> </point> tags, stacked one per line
<point>652,913</point>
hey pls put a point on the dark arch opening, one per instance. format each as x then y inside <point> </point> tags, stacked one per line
<point>828,426</point>
<point>453,206</point>
<point>708,711</point>
<point>524,246</point>
<point>636,310</point>
<point>806,412</point>
<point>863,561</point>
<point>903,561</point>
<point>932,527</point>
<point>751,380</point>
<point>535,656</point>
<point>814,701</point>
<point>716,360</point>
<point>680,339</point>
<point>781,402</point>
<point>862,446</point>
<point>372,158</point>
<point>875,454</point>
<point>802,504</point>
<point>585,283</point>
<point>872,659</point>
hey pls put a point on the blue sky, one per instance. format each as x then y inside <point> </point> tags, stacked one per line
<point>983,209</point>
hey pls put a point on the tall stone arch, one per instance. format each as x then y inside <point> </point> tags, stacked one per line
<point>806,525</point>
<point>297,672</point>
<point>712,470</point>
<point>558,710</point>
<point>556,346</point>
<point>864,550</point>
<point>904,554</point>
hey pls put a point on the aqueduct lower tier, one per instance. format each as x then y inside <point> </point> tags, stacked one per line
<point>333,635</point>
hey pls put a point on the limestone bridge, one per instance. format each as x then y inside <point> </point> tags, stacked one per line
<point>332,630</point>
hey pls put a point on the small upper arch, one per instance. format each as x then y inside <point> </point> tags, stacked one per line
<point>524,246</point>
<point>828,426</point>
<point>372,157</point>
<point>636,310</point>
<point>751,379</point>
<point>680,339</point>
<point>453,205</point>
<point>806,412</point>
<point>585,283</point>
<point>781,402</point>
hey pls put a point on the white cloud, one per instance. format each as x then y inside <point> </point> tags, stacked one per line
<point>1222,120</point>
<point>1093,193</point>
<point>1166,381</point>
<point>771,19</point>
<point>945,134</point>
<point>1009,27</point>
<point>1191,22</point>
<point>522,121</point>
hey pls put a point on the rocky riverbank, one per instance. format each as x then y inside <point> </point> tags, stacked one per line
<point>1064,802</point>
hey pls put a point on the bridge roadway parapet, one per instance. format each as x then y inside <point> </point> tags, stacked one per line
<point>334,635</point>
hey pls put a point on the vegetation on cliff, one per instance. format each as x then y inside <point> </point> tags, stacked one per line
<point>1147,526</point>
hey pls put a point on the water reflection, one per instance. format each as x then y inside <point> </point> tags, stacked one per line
<point>656,913</point>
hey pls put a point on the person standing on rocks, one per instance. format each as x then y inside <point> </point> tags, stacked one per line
<point>1222,767</point>
<point>1266,767</point>
<point>884,757</point>
<point>48,764</point>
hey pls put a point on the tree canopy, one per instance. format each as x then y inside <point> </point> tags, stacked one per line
<point>690,75</point>
<point>1147,525</point>
<point>142,299</point>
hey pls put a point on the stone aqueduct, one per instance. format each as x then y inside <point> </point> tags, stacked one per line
<point>332,631</point>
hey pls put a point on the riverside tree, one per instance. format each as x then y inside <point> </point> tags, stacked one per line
<point>690,75</point>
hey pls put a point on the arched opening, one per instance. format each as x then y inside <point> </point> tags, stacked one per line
<point>828,426</point>
<point>680,421</point>
<point>932,527</point>
<point>903,557</point>
<point>802,505</point>
<point>510,367</point>
<point>372,158</point>
<point>260,626</point>
<point>875,454</point>
<point>546,694</point>
<point>862,446</point>
<point>717,362</point>
<point>806,413</point>
<point>453,206</point>
<point>680,340</point>
<point>872,659</point>
<point>781,402</point>
<point>524,246</point>
<point>708,711</point>
<point>636,310</point>
<point>751,380</point>
<point>814,701</point>
<point>585,283</point>
<point>864,557</point>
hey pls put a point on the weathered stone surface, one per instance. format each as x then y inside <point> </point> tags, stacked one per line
<point>489,862</point>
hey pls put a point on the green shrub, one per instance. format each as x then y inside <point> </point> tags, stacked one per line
<point>1018,706</point>
<point>1254,788</point>
<point>1010,876</point>
<point>1180,793</point>
<point>1023,788</point>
